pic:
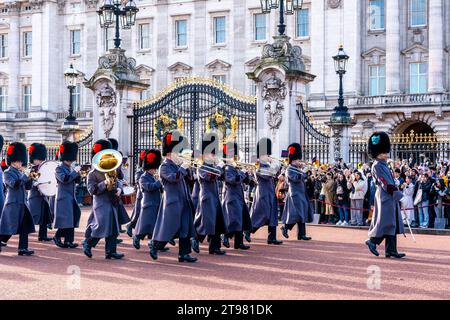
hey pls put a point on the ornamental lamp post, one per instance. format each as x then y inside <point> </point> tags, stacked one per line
<point>287,7</point>
<point>113,12</point>
<point>70,78</point>
<point>340,64</point>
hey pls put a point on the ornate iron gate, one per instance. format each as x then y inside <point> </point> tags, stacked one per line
<point>191,105</point>
<point>315,144</point>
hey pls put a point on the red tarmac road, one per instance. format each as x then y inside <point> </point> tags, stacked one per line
<point>335,265</point>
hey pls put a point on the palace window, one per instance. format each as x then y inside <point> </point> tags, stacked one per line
<point>109,39</point>
<point>75,42</point>
<point>377,81</point>
<point>418,77</point>
<point>3,45</point>
<point>219,30</point>
<point>220,78</point>
<point>76,97</point>
<point>144,36</point>
<point>418,13</point>
<point>27,44</point>
<point>376,15</point>
<point>147,93</point>
<point>260,27</point>
<point>3,98</point>
<point>303,23</point>
<point>181,33</point>
<point>26,98</point>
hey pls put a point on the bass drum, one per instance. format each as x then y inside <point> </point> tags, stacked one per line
<point>47,183</point>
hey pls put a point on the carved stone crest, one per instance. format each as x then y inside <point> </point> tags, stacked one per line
<point>285,52</point>
<point>106,102</point>
<point>334,4</point>
<point>273,93</point>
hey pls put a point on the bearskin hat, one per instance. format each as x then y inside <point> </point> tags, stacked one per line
<point>230,150</point>
<point>379,142</point>
<point>114,143</point>
<point>16,151</point>
<point>100,145</point>
<point>295,152</point>
<point>152,159</point>
<point>68,151</point>
<point>4,165</point>
<point>264,147</point>
<point>172,140</point>
<point>210,143</point>
<point>37,151</point>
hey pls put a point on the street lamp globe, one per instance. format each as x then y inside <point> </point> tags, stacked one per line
<point>71,76</point>
<point>275,4</point>
<point>340,60</point>
<point>107,13</point>
<point>265,6</point>
<point>130,13</point>
<point>298,4</point>
<point>289,7</point>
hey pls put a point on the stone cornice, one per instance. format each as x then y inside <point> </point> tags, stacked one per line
<point>13,7</point>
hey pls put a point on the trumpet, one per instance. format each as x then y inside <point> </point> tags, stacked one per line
<point>30,172</point>
<point>283,162</point>
<point>245,165</point>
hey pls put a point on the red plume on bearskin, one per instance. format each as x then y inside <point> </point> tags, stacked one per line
<point>10,150</point>
<point>61,149</point>
<point>97,147</point>
<point>291,150</point>
<point>142,155</point>
<point>150,157</point>
<point>169,138</point>
<point>30,150</point>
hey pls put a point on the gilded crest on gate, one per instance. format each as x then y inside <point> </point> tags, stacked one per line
<point>165,123</point>
<point>225,127</point>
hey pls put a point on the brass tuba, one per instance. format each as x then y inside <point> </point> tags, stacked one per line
<point>108,161</point>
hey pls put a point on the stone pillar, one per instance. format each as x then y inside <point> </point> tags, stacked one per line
<point>13,56</point>
<point>436,47</point>
<point>340,141</point>
<point>164,43</point>
<point>392,47</point>
<point>281,85</point>
<point>37,59</point>
<point>115,86</point>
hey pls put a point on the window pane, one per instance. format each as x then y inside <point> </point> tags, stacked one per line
<point>418,12</point>
<point>376,9</point>
<point>260,27</point>
<point>181,33</point>
<point>303,23</point>
<point>144,36</point>
<point>219,27</point>
<point>423,84</point>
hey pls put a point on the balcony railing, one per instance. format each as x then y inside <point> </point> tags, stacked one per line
<point>77,114</point>
<point>403,99</point>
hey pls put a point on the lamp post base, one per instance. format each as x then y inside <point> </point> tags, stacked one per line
<point>340,124</point>
<point>70,130</point>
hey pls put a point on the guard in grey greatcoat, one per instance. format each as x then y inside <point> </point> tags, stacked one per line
<point>2,169</point>
<point>387,219</point>
<point>51,200</point>
<point>16,217</point>
<point>67,211</point>
<point>297,209</point>
<point>264,210</point>
<point>137,205</point>
<point>209,220</point>
<point>236,213</point>
<point>175,215</point>
<point>123,214</point>
<point>151,190</point>
<point>37,202</point>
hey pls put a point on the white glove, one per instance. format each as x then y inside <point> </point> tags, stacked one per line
<point>119,192</point>
<point>77,169</point>
<point>185,165</point>
<point>35,183</point>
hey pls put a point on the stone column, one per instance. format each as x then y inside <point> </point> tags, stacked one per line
<point>37,61</point>
<point>392,47</point>
<point>13,56</point>
<point>163,23</point>
<point>436,47</point>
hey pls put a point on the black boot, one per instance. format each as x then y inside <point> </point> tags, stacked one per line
<point>372,247</point>
<point>136,242</point>
<point>114,255</point>
<point>153,251</point>
<point>272,238</point>
<point>71,245</point>
<point>2,244</point>
<point>217,252</point>
<point>391,248</point>
<point>130,231</point>
<point>195,245</point>
<point>172,243</point>
<point>226,242</point>
<point>87,250</point>
<point>247,236</point>
<point>284,232</point>
<point>186,258</point>
<point>25,252</point>
<point>119,240</point>
<point>301,235</point>
<point>58,242</point>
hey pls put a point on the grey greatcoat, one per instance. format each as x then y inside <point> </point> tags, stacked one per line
<point>104,219</point>
<point>387,218</point>
<point>151,190</point>
<point>297,207</point>
<point>39,206</point>
<point>67,211</point>
<point>137,205</point>
<point>236,214</point>
<point>195,193</point>
<point>209,218</point>
<point>15,210</point>
<point>264,209</point>
<point>175,214</point>
<point>2,195</point>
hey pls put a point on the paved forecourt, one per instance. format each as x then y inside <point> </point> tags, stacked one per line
<point>335,265</point>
